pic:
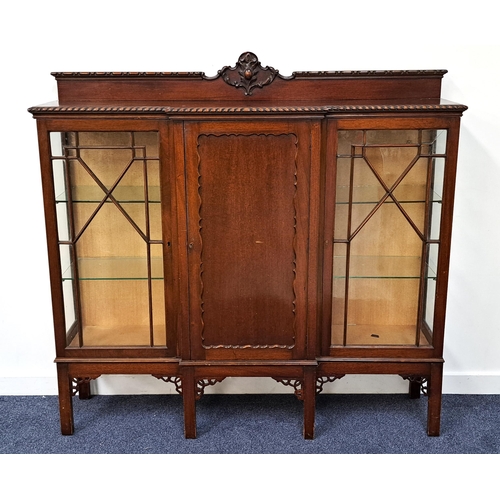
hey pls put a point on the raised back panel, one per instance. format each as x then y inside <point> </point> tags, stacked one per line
<point>248,83</point>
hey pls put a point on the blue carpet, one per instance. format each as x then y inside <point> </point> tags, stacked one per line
<point>250,424</point>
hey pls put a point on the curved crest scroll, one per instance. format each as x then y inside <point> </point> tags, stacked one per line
<point>248,73</point>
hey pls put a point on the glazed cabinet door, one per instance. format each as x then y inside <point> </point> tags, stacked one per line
<point>248,187</point>
<point>103,190</point>
<point>389,203</point>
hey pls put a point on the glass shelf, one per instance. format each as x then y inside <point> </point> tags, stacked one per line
<point>116,268</point>
<point>373,194</point>
<point>381,267</point>
<point>123,194</point>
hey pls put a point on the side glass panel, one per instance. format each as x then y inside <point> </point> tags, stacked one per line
<point>389,188</point>
<point>110,237</point>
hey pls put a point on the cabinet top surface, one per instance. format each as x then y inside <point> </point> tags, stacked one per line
<point>249,87</point>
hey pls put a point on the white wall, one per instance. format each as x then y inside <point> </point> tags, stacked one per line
<point>40,37</point>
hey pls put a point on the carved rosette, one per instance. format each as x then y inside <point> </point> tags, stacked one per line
<point>248,73</point>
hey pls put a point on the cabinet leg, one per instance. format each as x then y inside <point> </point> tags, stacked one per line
<point>434,404</point>
<point>189,401</point>
<point>309,397</point>
<point>65,400</point>
<point>414,390</point>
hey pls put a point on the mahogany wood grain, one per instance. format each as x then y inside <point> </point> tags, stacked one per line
<point>65,399</point>
<point>79,89</point>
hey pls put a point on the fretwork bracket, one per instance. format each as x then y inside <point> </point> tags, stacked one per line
<point>202,383</point>
<point>421,381</point>
<point>78,383</point>
<point>321,381</point>
<point>177,381</point>
<point>296,384</point>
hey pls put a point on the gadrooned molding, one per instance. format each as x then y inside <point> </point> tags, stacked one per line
<point>171,110</point>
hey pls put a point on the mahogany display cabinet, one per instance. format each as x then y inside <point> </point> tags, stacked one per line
<point>249,225</point>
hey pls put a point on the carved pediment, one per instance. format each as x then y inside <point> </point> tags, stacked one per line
<point>248,73</point>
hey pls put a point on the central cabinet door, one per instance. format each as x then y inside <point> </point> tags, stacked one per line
<point>248,188</point>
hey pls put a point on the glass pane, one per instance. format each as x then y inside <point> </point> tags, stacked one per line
<point>382,311</point>
<point>107,164</point>
<point>434,220</point>
<point>132,183</point>
<point>388,208</point>
<point>338,307</point>
<point>158,296</point>
<point>69,304</point>
<point>59,176</point>
<point>68,292</point>
<point>437,172</point>
<point>56,143</point>
<point>66,262</point>
<point>434,142</point>
<point>148,141</point>
<point>413,187</point>
<point>389,163</point>
<point>84,187</point>
<point>400,138</point>
<point>430,285</point>
<point>115,313</point>
<point>59,180</point>
<point>383,288</point>
<point>366,187</point>
<point>155,221</point>
<point>338,293</point>
<point>108,233</point>
<point>109,217</point>
<point>387,233</point>
<point>158,304</point>
<point>137,214</point>
<point>62,221</point>
<point>346,138</point>
<point>360,214</point>
<point>343,179</point>
<point>438,177</point>
<point>154,208</point>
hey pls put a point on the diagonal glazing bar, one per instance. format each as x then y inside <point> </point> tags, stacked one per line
<point>109,196</point>
<point>391,194</point>
<point>408,218</point>
<point>387,194</point>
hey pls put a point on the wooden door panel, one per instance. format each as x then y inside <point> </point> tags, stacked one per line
<point>247,295</point>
